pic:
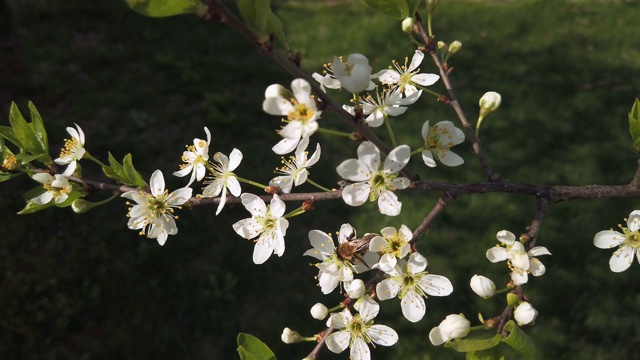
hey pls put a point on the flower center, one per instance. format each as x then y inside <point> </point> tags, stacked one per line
<point>358,329</point>
<point>70,147</point>
<point>380,182</point>
<point>158,206</point>
<point>632,239</point>
<point>301,112</point>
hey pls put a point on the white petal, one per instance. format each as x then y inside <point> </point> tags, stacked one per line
<point>536,267</point>
<point>538,250</point>
<point>413,307</point>
<point>436,285</point>
<point>277,207</point>
<point>301,89</point>
<point>285,146</point>
<point>179,196</point>
<point>359,350</point>
<point>262,251</point>
<point>388,289</point>
<point>519,277</point>
<point>254,204</point>
<point>328,282</point>
<point>389,77</point>
<point>277,106</point>
<point>338,341</point>
<point>633,223</point>
<point>223,201</point>
<point>450,158</point>
<point>437,337</point>
<point>247,228</point>
<point>234,186</point>
<point>388,262</point>
<point>375,119</point>
<point>621,259</point>
<point>156,184</point>
<point>397,159</point>
<point>607,239</point>
<point>417,263</point>
<point>377,243</point>
<point>425,129</point>
<point>496,254</point>
<point>369,155</point>
<point>356,194</point>
<point>425,79</point>
<point>506,237</point>
<point>234,159</point>
<point>388,204</point>
<point>354,170</point>
<point>369,308</point>
<point>427,157</point>
<point>383,335</point>
<point>416,60</point>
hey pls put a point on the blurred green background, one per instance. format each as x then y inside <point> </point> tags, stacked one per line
<point>86,287</point>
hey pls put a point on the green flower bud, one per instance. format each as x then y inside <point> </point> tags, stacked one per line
<point>407,25</point>
<point>431,5</point>
<point>489,102</point>
<point>82,206</point>
<point>455,47</point>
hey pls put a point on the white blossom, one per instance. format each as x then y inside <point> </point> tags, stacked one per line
<point>628,242</point>
<point>223,177</point>
<point>73,150</point>
<point>290,336</point>
<point>294,171</point>
<point>411,283</point>
<point>354,74</point>
<point>438,140</point>
<point>319,311</point>
<point>372,181</point>
<point>266,223</point>
<point>520,262</point>
<point>57,188</point>
<point>300,111</point>
<point>153,213</point>
<point>525,313</point>
<point>357,331</point>
<point>391,103</point>
<point>393,245</point>
<point>407,77</point>
<point>356,289</point>
<point>195,159</point>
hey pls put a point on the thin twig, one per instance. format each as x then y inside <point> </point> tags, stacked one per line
<point>536,223</point>
<point>426,222</point>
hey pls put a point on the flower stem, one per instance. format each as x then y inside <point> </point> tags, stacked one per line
<point>250,182</point>
<point>429,24</point>
<point>333,132</point>
<point>428,91</point>
<point>480,118</point>
<point>293,213</point>
<point>390,130</point>
<point>477,328</point>
<point>334,309</point>
<point>90,157</point>
<point>318,185</point>
<point>504,290</point>
<point>417,151</point>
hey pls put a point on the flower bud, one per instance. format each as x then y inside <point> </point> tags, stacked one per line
<point>407,25</point>
<point>290,336</point>
<point>356,289</point>
<point>354,74</point>
<point>525,313</point>
<point>81,206</point>
<point>319,311</point>
<point>483,286</point>
<point>454,326</point>
<point>489,102</point>
<point>431,5</point>
<point>454,47</point>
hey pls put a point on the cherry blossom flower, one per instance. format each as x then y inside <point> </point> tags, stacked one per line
<point>520,262</point>
<point>299,108</point>
<point>294,171</point>
<point>438,139</point>
<point>411,283</point>
<point>153,213</point>
<point>223,177</point>
<point>195,159</point>
<point>628,240</point>
<point>334,268</point>
<point>57,188</point>
<point>390,104</point>
<point>407,77</point>
<point>266,223</point>
<point>73,150</point>
<point>354,74</point>
<point>373,182</point>
<point>357,331</point>
<point>393,245</point>
<point>454,326</point>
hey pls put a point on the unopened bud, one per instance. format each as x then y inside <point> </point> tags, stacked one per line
<point>525,313</point>
<point>489,102</point>
<point>454,47</point>
<point>431,5</point>
<point>441,45</point>
<point>81,206</point>
<point>483,286</point>
<point>407,25</point>
<point>290,336</point>
<point>319,311</point>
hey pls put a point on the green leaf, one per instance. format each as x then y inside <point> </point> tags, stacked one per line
<point>38,127</point>
<point>519,341</point>
<point>22,131</point>
<point>125,172</point>
<point>413,6</point>
<point>397,9</point>
<point>262,10</point>
<point>247,10</point>
<point>6,132</point>
<point>495,353</point>
<point>477,340</point>
<point>162,8</point>
<point>8,176</point>
<point>275,27</point>
<point>251,348</point>
<point>32,207</point>
<point>634,124</point>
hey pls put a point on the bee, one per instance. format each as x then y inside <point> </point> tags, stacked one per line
<point>354,247</point>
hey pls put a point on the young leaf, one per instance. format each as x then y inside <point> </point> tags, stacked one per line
<point>131,173</point>
<point>162,8</point>
<point>274,26</point>
<point>247,10</point>
<point>6,132</point>
<point>477,340</point>
<point>261,13</point>
<point>397,9</point>
<point>495,353</point>
<point>519,341</point>
<point>38,127</point>
<point>22,131</point>
<point>251,348</point>
<point>634,124</point>
<point>125,173</point>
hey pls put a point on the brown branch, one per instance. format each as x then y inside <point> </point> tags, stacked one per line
<point>322,337</point>
<point>536,223</point>
<point>636,179</point>
<point>426,223</point>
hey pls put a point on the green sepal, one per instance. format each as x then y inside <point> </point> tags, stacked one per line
<point>397,9</point>
<point>634,124</point>
<point>162,8</point>
<point>477,340</point>
<point>519,341</point>
<point>494,353</point>
<point>125,172</point>
<point>251,348</point>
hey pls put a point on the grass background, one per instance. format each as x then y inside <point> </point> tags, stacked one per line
<point>86,287</point>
